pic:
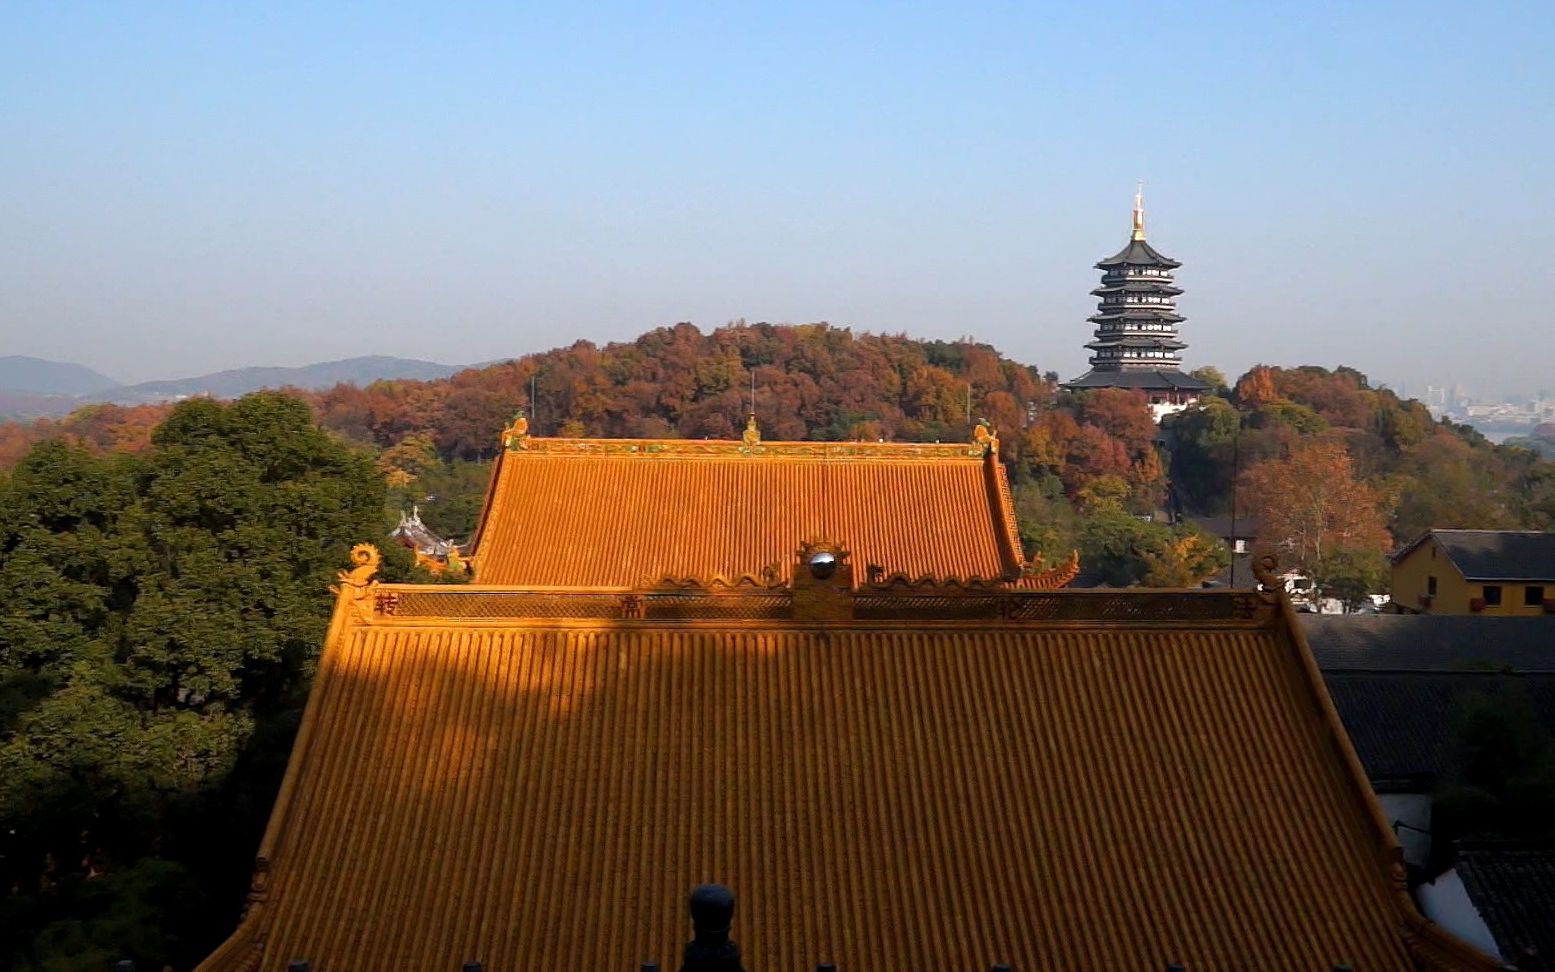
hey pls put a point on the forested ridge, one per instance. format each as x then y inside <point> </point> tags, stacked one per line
<point>1084,468</point>
<point>166,568</point>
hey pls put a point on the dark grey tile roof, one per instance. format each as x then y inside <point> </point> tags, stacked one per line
<point>1431,642</point>
<point>1402,723</point>
<point>1154,286</point>
<point>1137,341</point>
<point>1513,889</point>
<point>1137,253</point>
<point>1497,554</point>
<point>1138,379</point>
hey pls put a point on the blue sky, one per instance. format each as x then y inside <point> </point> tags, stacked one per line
<point>183,190</point>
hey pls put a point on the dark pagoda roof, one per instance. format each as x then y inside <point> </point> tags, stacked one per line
<point>1156,286</point>
<point>1137,253</point>
<point>1137,341</point>
<point>1143,379</point>
<point>1138,314</point>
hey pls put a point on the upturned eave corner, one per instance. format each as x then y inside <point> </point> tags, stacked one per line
<point>1054,577</point>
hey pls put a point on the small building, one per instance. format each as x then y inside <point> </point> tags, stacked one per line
<point>1136,345</point>
<point>432,551</point>
<point>1497,573</point>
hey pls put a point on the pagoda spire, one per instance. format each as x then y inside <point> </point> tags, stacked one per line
<point>1139,211</point>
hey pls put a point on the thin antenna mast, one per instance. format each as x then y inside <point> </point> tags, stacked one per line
<point>534,406</point>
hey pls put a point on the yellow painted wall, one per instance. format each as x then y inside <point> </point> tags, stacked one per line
<point>1411,580</point>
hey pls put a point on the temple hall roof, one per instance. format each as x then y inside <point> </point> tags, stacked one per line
<point>617,511</point>
<point>891,777</point>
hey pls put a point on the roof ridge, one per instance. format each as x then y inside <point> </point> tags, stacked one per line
<point>1486,530</point>
<point>824,449</point>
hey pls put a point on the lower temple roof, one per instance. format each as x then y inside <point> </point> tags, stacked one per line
<point>890,776</point>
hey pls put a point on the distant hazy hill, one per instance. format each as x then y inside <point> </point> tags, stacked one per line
<point>20,399</point>
<point>230,384</point>
<point>36,376</point>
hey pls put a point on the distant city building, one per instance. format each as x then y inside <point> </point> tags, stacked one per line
<point>1136,345</point>
<point>1493,572</point>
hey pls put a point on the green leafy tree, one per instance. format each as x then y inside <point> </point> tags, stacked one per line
<point>1122,550</point>
<point>1214,377</point>
<point>1350,574</point>
<point>163,616</point>
<point>1506,783</point>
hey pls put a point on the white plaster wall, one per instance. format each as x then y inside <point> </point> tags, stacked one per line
<point>1446,902</point>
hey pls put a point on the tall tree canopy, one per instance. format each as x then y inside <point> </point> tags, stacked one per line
<point>163,612</point>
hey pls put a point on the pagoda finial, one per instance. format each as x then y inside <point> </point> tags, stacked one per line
<point>1139,210</point>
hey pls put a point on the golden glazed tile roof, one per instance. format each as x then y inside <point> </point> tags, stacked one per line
<point>603,512</point>
<point>1058,780</point>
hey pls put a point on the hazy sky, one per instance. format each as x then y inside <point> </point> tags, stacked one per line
<point>183,190</point>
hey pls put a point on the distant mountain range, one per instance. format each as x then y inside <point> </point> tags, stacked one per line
<point>36,376</point>
<point>33,387</point>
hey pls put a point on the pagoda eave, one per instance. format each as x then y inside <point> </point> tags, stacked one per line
<point>1143,316</point>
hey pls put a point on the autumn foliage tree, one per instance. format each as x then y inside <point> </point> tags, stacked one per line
<point>1311,505</point>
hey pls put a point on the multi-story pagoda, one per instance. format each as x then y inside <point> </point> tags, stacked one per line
<point>1136,320</point>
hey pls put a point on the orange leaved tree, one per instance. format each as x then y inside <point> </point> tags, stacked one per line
<point>1313,508</point>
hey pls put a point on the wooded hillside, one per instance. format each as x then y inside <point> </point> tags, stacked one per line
<point>1085,467</point>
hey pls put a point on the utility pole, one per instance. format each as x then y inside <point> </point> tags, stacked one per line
<point>1236,464</point>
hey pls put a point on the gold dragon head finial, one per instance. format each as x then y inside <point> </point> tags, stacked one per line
<point>1266,567</point>
<point>366,558</point>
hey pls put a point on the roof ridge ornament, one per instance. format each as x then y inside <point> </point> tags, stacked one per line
<point>752,434</point>
<point>516,436</point>
<point>1266,568</point>
<point>984,436</point>
<point>359,582</point>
